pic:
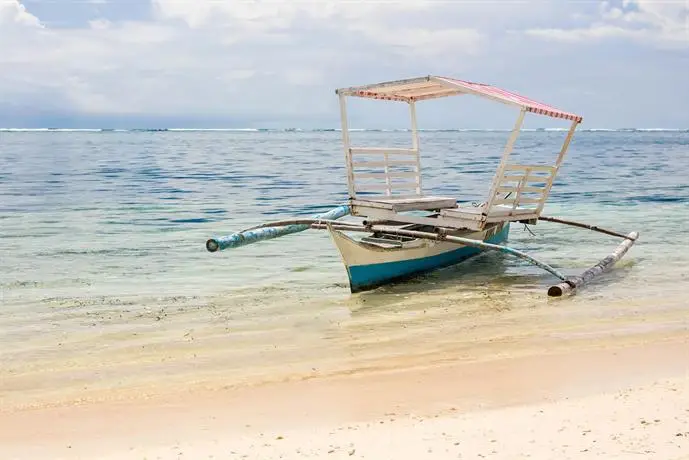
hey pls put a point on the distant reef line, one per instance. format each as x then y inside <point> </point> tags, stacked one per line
<point>324,130</point>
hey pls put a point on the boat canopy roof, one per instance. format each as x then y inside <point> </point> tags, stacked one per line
<point>433,87</point>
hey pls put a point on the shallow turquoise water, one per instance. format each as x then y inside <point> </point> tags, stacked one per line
<point>102,240</point>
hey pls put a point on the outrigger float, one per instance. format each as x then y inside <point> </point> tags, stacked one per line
<point>385,192</point>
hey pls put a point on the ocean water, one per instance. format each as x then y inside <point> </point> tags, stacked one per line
<point>106,287</point>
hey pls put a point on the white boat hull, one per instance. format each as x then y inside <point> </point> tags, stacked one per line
<point>370,265</point>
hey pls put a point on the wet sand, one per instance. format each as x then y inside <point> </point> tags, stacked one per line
<point>617,399</point>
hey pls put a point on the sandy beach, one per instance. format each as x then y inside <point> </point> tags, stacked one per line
<point>172,173</point>
<point>613,401</point>
<point>121,337</point>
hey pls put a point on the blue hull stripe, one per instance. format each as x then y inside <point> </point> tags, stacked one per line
<point>364,277</point>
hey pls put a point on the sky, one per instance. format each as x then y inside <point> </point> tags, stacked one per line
<point>276,63</point>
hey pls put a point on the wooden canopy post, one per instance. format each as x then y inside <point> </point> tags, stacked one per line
<point>565,145</point>
<point>558,163</point>
<point>505,157</point>
<point>346,146</point>
<point>415,144</point>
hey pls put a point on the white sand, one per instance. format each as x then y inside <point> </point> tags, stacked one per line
<point>605,402</point>
<point>650,422</point>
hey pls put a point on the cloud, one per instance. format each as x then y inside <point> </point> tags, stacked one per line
<point>369,19</point>
<point>204,52</point>
<point>281,59</point>
<point>268,14</point>
<point>426,42</point>
<point>595,32</point>
<point>661,23</point>
<point>14,13</point>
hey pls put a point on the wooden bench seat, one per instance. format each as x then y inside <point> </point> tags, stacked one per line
<point>476,217</point>
<point>418,203</point>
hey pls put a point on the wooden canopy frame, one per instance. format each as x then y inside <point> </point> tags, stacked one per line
<point>521,185</point>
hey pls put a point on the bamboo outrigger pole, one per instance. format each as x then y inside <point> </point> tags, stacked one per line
<point>586,226</point>
<point>573,282</point>
<point>329,221</point>
<point>269,231</point>
<point>322,223</point>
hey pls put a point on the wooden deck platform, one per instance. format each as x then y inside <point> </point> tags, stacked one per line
<point>402,204</point>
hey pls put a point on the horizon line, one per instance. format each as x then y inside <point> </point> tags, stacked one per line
<point>295,129</point>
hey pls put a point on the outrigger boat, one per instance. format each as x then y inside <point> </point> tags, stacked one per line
<point>408,231</point>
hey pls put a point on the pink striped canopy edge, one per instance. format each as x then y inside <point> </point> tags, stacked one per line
<point>508,96</point>
<point>432,87</point>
